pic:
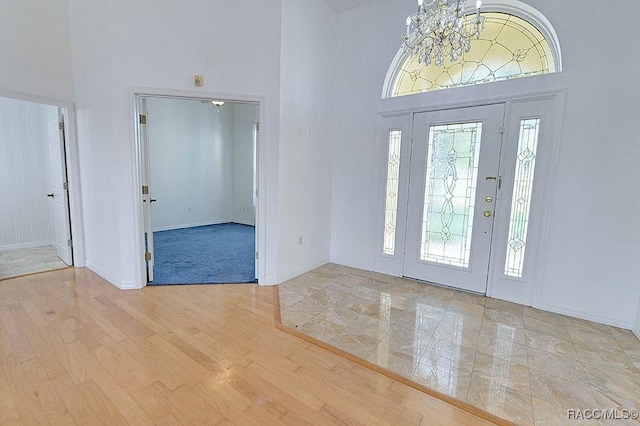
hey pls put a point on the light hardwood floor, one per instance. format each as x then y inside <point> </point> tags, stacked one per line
<point>76,350</point>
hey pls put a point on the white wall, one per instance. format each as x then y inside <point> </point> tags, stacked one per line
<point>201,162</point>
<point>368,39</point>
<point>307,113</point>
<point>191,163</point>
<point>120,45</point>
<point>592,267</point>
<point>25,219</point>
<point>243,118</point>
<point>591,257</point>
<point>35,48</point>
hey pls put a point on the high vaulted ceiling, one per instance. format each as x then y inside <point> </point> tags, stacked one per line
<point>343,5</point>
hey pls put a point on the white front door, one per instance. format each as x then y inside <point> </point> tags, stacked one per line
<point>453,185</point>
<point>59,195</point>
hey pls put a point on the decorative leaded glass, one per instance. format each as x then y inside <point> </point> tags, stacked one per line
<point>450,192</point>
<point>521,201</point>
<point>508,47</point>
<point>391,205</point>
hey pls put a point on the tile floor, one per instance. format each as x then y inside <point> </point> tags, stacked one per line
<point>14,263</point>
<point>521,364</point>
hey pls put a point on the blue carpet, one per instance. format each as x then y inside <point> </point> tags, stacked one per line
<point>212,254</point>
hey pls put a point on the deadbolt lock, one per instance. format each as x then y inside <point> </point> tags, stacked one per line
<point>487,213</point>
<point>488,199</point>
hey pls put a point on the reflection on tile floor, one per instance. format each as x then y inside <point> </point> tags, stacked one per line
<point>14,263</point>
<point>519,363</point>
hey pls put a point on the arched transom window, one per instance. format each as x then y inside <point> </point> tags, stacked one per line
<point>508,47</point>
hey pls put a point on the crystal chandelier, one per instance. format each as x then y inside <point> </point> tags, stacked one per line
<point>439,28</point>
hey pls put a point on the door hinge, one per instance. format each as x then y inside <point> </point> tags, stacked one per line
<point>256,255</point>
<point>70,242</point>
<point>147,256</point>
<point>501,129</point>
<point>258,126</point>
<point>66,185</point>
<point>145,189</point>
<point>61,125</point>
<point>143,119</point>
<point>256,192</point>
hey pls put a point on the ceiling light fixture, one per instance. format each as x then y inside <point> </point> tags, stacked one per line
<point>218,103</point>
<point>439,28</point>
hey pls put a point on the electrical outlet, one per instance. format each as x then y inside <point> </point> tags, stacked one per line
<point>300,240</point>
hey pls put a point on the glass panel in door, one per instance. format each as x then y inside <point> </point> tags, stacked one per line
<point>449,197</point>
<point>452,191</point>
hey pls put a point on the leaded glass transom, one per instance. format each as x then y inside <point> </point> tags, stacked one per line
<point>508,47</point>
<point>521,199</point>
<point>391,204</point>
<point>450,192</point>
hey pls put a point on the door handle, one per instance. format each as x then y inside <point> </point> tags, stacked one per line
<point>487,213</point>
<point>153,200</point>
<point>52,195</point>
<point>498,178</point>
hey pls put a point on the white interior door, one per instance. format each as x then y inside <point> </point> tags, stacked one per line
<point>143,134</point>
<point>453,185</point>
<point>59,195</point>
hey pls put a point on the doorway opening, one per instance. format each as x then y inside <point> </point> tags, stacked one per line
<point>35,218</point>
<point>199,185</point>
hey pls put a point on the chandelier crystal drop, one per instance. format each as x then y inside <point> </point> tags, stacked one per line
<point>439,28</point>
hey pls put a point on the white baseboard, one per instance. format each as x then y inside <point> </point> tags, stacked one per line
<point>615,322</point>
<point>190,225</point>
<point>290,275</point>
<point>268,281</point>
<point>194,225</point>
<point>355,265</point>
<point>129,285</point>
<point>26,245</point>
<point>124,285</point>
<point>102,273</point>
<point>240,222</point>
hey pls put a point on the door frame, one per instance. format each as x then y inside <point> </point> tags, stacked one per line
<point>72,158</point>
<point>142,134</point>
<point>261,162</point>
<point>399,113</point>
